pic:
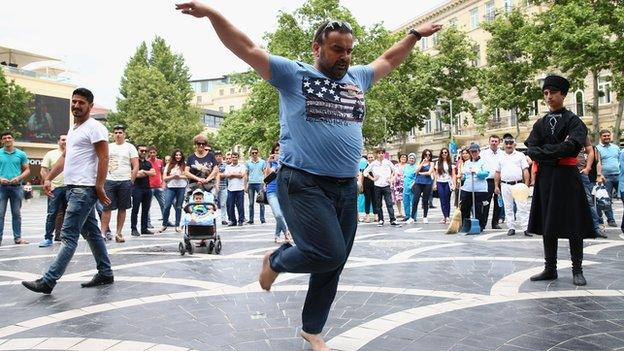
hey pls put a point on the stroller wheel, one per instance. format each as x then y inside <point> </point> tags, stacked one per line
<point>181,248</point>
<point>190,248</point>
<point>218,247</point>
<point>211,246</point>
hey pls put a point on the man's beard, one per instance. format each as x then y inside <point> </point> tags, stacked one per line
<point>337,71</point>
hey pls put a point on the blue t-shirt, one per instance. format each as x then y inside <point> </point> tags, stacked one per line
<point>409,176</point>
<point>320,118</point>
<point>272,186</point>
<point>424,179</point>
<point>609,157</point>
<point>255,171</point>
<point>11,163</point>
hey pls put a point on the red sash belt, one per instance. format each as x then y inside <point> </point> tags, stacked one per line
<point>568,161</point>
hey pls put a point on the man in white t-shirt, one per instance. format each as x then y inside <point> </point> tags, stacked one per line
<point>84,162</point>
<point>123,164</point>
<point>491,158</point>
<point>512,169</point>
<point>381,172</point>
<point>236,174</point>
<point>56,203</point>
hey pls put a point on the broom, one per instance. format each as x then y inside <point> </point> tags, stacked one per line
<point>456,221</point>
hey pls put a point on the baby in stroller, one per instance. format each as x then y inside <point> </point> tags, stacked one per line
<point>200,224</point>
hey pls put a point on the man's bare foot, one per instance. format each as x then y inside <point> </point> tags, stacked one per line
<point>267,275</point>
<point>316,341</point>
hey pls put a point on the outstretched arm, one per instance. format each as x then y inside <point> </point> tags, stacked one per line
<point>235,40</point>
<point>394,56</point>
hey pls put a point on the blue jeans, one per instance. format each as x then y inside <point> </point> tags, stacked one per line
<point>79,219</point>
<point>252,190</point>
<point>173,195</point>
<point>590,199</point>
<point>15,194</point>
<point>159,195</point>
<point>280,224</point>
<point>444,192</point>
<point>321,213</point>
<point>236,200</point>
<point>611,183</point>
<point>55,203</point>
<point>222,197</point>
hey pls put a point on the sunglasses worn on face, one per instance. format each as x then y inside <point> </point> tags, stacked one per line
<point>509,142</point>
<point>142,150</point>
<point>118,133</point>
<point>200,144</point>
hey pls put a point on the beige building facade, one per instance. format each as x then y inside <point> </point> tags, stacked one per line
<point>468,15</point>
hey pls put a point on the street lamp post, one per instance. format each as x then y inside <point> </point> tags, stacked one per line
<point>452,145</point>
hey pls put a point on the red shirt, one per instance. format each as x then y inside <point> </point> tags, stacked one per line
<point>156,181</point>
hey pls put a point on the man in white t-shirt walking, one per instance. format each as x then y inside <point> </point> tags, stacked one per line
<point>381,172</point>
<point>85,162</point>
<point>513,169</point>
<point>236,174</point>
<point>123,164</point>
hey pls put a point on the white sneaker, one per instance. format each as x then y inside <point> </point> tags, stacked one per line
<point>380,223</point>
<point>410,221</point>
<point>425,220</point>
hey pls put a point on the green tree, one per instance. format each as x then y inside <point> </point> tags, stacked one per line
<point>454,71</point>
<point>393,105</point>
<point>15,106</point>
<point>508,81</point>
<point>615,20</point>
<point>156,98</point>
<point>580,40</point>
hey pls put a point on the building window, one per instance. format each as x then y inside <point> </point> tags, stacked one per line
<point>534,108</point>
<point>199,99</point>
<point>424,44</point>
<point>508,5</point>
<point>579,97</point>
<point>477,50</point>
<point>221,92</point>
<point>604,89</point>
<point>220,108</point>
<point>490,11</point>
<point>474,18</point>
<point>438,125</point>
<point>434,39</point>
<point>231,108</point>
<point>428,126</point>
<point>231,91</point>
<point>453,22</point>
<point>496,117</point>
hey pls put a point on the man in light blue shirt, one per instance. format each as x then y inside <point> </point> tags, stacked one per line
<point>254,183</point>
<point>609,157</point>
<point>321,114</point>
<point>475,174</point>
<point>14,169</point>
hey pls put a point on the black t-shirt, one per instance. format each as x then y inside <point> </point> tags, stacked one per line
<point>143,182</point>
<point>200,166</point>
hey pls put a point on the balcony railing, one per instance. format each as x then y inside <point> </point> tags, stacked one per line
<point>33,74</point>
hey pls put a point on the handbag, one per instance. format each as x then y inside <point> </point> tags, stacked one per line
<point>261,198</point>
<point>271,177</point>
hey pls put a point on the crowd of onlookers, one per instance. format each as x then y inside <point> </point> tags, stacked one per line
<point>136,176</point>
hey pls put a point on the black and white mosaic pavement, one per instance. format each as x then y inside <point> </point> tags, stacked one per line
<point>409,288</point>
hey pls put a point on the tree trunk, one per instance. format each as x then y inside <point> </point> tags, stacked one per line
<point>618,120</point>
<point>595,110</point>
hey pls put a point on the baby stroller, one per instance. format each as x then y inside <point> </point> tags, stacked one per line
<point>200,223</point>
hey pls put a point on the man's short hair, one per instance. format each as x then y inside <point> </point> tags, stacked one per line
<point>218,153</point>
<point>85,93</point>
<point>380,150</point>
<point>234,153</point>
<point>605,131</point>
<point>152,148</point>
<point>507,136</point>
<point>119,127</point>
<point>494,136</point>
<point>7,133</point>
<point>331,26</point>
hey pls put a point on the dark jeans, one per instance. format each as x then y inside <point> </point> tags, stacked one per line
<point>588,185</point>
<point>141,197</point>
<point>419,190</point>
<point>252,190</point>
<point>79,219</point>
<point>384,193</point>
<point>491,198</point>
<point>173,196</point>
<point>236,200</point>
<point>14,194</point>
<point>611,183</point>
<point>56,204</point>
<point>321,213</point>
<point>576,253</point>
<point>466,206</point>
<point>369,197</point>
<point>444,192</point>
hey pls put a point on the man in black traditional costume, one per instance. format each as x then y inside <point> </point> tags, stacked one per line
<point>559,208</point>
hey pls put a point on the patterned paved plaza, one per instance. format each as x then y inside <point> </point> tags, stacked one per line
<point>409,288</point>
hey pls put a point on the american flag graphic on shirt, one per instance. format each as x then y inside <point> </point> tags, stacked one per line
<point>332,102</point>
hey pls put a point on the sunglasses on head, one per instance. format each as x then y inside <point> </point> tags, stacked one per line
<point>335,25</point>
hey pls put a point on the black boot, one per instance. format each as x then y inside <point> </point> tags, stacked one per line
<point>578,278</point>
<point>98,280</point>
<point>38,286</point>
<point>547,274</point>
